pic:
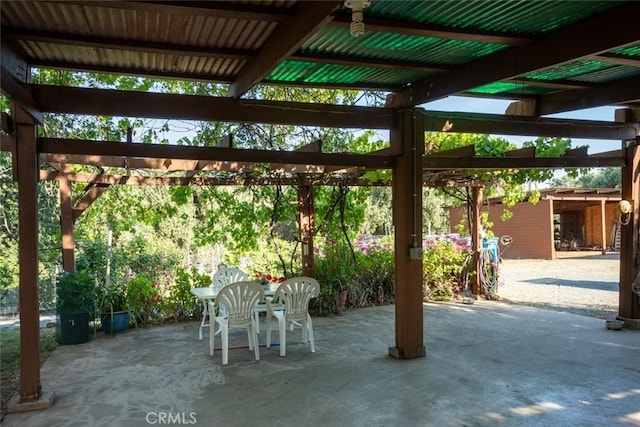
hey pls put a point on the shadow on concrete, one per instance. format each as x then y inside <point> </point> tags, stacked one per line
<point>598,311</point>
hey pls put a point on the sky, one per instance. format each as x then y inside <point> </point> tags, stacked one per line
<point>497,106</point>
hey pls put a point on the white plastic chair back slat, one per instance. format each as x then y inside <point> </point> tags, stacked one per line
<point>296,294</point>
<point>239,300</point>
<point>227,275</point>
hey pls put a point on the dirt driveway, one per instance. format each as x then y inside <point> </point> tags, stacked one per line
<point>583,283</point>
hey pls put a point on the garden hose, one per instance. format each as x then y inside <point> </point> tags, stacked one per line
<point>488,273</point>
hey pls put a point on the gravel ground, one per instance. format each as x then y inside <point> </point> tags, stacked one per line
<point>584,283</point>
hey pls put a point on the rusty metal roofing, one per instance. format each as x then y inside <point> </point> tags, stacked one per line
<point>507,49</point>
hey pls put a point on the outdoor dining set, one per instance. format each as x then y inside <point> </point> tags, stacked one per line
<point>234,301</point>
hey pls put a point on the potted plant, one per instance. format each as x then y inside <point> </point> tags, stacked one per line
<point>75,306</point>
<point>112,302</point>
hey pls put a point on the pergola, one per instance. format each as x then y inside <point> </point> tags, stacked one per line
<point>548,57</point>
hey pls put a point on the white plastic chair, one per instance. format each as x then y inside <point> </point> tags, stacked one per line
<point>226,276</point>
<point>290,303</point>
<point>236,303</point>
<point>221,278</point>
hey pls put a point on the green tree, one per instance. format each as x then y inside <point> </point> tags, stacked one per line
<point>594,178</point>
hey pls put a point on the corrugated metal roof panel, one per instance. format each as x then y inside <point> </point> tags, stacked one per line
<point>308,72</point>
<point>609,74</point>
<point>628,50</point>
<point>523,16</point>
<point>569,70</point>
<point>510,88</point>
<point>134,24</point>
<point>215,69</point>
<point>338,41</point>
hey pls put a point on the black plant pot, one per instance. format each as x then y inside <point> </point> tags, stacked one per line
<point>73,328</point>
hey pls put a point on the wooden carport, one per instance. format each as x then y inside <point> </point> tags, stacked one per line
<point>549,66</point>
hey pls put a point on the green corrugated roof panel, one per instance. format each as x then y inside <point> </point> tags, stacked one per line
<point>291,71</point>
<point>308,72</point>
<point>609,74</point>
<point>525,16</point>
<point>569,70</point>
<point>511,88</point>
<point>632,51</point>
<point>338,41</point>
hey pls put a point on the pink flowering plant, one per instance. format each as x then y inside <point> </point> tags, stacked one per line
<point>442,265</point>
<point>366,273</point>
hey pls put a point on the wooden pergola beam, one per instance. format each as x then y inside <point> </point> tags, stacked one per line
<point>624,90</point>
<point>519,125</point>
<point>101,102</point>
<point>455,163</point>
<point>90,196</point>
<point>106,179</point>
<point>105,148</point>
<point>308,18</point>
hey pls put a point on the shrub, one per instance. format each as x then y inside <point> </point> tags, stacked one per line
<point>376,278</point>
<point>75,292</point>
<point>442,264</point>
<point>368,281</point>
<point>142,299</point>
<point>179,302</point>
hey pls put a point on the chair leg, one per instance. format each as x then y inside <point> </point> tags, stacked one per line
<point>310,331</point>
<point>254,338</point>
<point>225,344</point>
<point>250,337</point>
<point>256,321</point>
<point>212,335</point>
<point>282,328</point>
<point>204,316</point>
<point>268,319</point>
<point>305,334</point>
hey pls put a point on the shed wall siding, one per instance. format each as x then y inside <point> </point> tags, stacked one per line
<point>593,224</point>
<point>530,227</point>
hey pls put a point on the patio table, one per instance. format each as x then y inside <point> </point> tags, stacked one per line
<point>208,294</point>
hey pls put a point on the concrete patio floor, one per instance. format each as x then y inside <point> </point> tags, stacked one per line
<point>489,363</point>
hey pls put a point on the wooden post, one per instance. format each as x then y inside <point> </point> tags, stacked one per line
<point>66,225</point>
<point>629,307</point>
<point>603,225</point>
<point>27,165</point>
<point>476,244</point>
<point>307,228</point>
<point>408,133</point>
